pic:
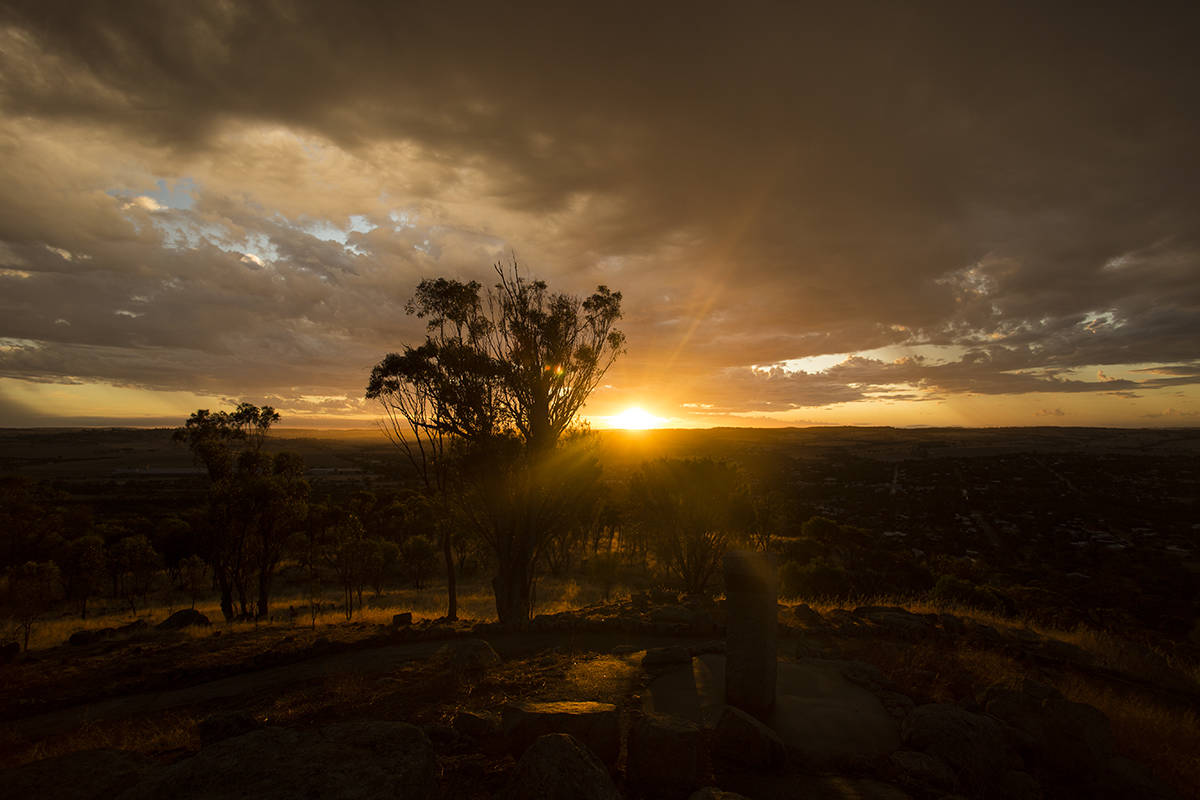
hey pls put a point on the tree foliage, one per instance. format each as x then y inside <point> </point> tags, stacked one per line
<point>690,510</point>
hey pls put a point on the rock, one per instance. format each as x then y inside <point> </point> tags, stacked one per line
<point>741,739</point>
<point>898,705</point>
<point>84,775</point>
<point>468,658</point>
<point>401,620</point>
<point>216,727</point>
<point>807,616</point>
<point>975,746</point>
<point>624,650</point>
<point>356,760</point>
<point>865,675</point>
<point>664,597</point>
<point>713,793</point>
<point>751,655</point>
<point>1017,785</point>
<point>475,725</point>
<point>9,652</point>
<point>185,618</point>
<point>1123,778</point>
<point>91,636</point>
<point>664,755</point>
<point>559,767</point>
<point>1052,730</point>
<point>671,614</point>
<point>662,657</point>
<point>952,625</point>
<point>923,770</point>
<point>132,627</point>
<point>597,725</point>
<point>895,621</point>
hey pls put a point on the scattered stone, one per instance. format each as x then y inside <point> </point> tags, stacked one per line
<point>664,755</point>
<point>898,705</point>
<point>741,739</point>
<point>468,658</point>
<point>952,625</point>
<point>895,621</point>
<point>216,727</point>
<point>1018,785</point>
<point>751,664</point>
<point>664,597</point>
<point>475,725</point>
<point>713,793</point>
<point>1052,730</point>
<point>85,775</point>
<point>661,657</point>
<point>597,725</point>
<point>356,760</point>
<point>671,614</point>
<point>401,620</point>
<point>924,770</point>
<point>559,767</point>
<point>975,746</point>
<point>807,616</point>
<point>185,618</point>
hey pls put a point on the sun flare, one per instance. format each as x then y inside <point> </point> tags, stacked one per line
<point>635,419</point>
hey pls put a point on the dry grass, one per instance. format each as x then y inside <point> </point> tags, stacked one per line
<point>475,601</point>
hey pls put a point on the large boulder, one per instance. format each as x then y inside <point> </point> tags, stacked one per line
<point>349,761</point>
<point>85,775</point>
<point>1051,730</point>
<point>9,652</point>
<point>739,738</point>
<point>559,767</point>
<point>597,725</point>
<point>466,657</point>
<point>185,618</point>
<point>664,756</point>
<point>975,746</point>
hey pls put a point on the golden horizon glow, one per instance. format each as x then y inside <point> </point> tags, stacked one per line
<point>635,419</point>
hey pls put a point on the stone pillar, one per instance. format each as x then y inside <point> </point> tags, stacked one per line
<point>751,594</point>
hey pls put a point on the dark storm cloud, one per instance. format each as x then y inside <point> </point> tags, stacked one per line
<point>764,182</point>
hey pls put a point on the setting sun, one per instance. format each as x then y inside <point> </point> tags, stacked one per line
<point>635,419</point>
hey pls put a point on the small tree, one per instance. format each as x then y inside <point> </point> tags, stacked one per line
<point>505,375</point>
<point>195,576</point>
<point>83,568</point>
<point>418,554</point>
<point>690,509</point>
<point>32,590</point>
<point>137,563</point>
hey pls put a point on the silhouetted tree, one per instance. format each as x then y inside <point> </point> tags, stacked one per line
<point>32,590</point>
<point>418,554</point>
<point>136,563</point>
<point>504,375</point>
<point>83,567</point>
<point>690,509</point>
<point>255,501</point>
<point>194,574</point>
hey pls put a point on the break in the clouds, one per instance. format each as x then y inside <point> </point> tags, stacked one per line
<point>881,212</point>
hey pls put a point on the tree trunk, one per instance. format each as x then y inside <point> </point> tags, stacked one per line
<point>264,593</point>
<point>513,587</point>
<point>226,597</point>
<point>451,578</point>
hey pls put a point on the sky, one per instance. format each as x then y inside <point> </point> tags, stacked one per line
<point>829,213</point>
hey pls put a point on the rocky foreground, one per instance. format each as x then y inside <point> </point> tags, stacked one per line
<point>840,728</point>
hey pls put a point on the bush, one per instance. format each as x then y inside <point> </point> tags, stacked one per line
<point>818,578</point>
<point>957,591</point>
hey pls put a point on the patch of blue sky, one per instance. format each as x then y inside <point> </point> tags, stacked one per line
<point>179,195</point>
